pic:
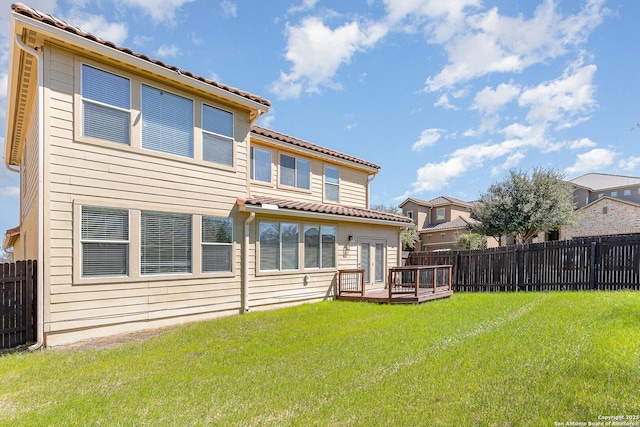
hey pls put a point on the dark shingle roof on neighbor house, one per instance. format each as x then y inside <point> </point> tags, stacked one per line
<point>346,211</point>
<point>602,181</point>
<point>21,9</point>
<point>260,131</point>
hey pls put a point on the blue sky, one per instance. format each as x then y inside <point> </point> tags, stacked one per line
<point>446,96</point>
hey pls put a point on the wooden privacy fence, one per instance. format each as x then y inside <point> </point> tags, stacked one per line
<point>17,304</point>
<point>603,263</point>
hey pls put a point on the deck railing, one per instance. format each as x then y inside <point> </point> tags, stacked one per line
<point>351,281</point>
<point>419,279</point>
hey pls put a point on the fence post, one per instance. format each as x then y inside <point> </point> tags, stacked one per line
<point>592,271</point>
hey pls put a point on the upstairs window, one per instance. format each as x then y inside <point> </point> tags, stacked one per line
<point>167,122</point>
<point>217,244</point>
<point>440,214</point>
<point>106,104</point>
<point>104,240</point>
<point>165,243</point>
<point>260,165</point>
<point>295,172</point>
<point>217,135</point>
<point>331,184</point>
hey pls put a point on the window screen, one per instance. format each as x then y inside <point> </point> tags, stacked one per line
<point>260,164</point>
<point>331,183</point>
<point>217,137</point>
<point>167,122</point>
<point>165,243</point>
<point>217,243</point>
<point>105,241</point>
<point>106,105</point>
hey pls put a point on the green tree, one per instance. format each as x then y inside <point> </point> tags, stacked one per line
<point>472,241</point>
<point>525,204</point>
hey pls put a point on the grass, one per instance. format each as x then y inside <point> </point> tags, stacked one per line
<point>473,359</point>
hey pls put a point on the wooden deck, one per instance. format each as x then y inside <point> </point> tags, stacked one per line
<point>382,296</point>
<point>405,285</point>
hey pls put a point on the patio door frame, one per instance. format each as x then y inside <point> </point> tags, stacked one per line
<point>373,245</point>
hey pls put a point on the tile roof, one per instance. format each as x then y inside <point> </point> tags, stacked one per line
<point>257,130</point>
<point>21,9</point>
<point>438,201</point>
<point>459,222</point>
<point>326,209</point>
<point>602,181</point>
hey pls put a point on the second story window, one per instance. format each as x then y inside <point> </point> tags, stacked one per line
<point>331,184</point>
<point>217,135</point>
<point>295,172</point>
<point>106,103</point>
<point>439,214</point>
<point>167,122</point>
<point>260,164</point>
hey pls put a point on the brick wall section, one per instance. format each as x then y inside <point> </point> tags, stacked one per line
<point>621,218</point>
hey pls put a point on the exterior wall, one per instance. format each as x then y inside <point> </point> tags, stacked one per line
<point>447,239</point>
<point>353,183</point>
<point>421,214</point>
<point>275,289</point>
<point>620,218</point>
<point>82,172</point>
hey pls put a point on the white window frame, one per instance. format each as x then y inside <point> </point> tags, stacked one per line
<point>228,245</point>
<point>280,255</point>
<point>441,217</point>
<point>95,102</point>
<point>328,184</point>
<point>120,242</point>
<point>296,170</point>
<point>219,136</point>
<point>321,246</point>
<point>253,167</point>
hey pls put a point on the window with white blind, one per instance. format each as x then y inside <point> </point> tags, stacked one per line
<point>167,122</point>
<point>106,104</point>
<point>319,246</point>
<point>279,244</point>
<point>165,243</point>
<point>217,135</point>
<point>260,164</point>
<point>217,244</point>
<point>295,172</point>
<point>331,184</point>
<point>104,239</point>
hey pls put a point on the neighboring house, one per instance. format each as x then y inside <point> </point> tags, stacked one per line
<point>149,198</point>
<point>606,205</point>
<point>440,221</point>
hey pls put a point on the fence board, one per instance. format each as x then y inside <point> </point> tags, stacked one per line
<point>17,304</point>
<point>602,263</point>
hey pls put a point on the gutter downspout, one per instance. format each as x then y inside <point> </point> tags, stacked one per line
<point>40,274</point>
<point>369,181</point>
<point>245,264</point>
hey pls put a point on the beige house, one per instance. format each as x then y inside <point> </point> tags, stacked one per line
<point>149,197</point>
<point>440,221</point>
<point>606,204</point>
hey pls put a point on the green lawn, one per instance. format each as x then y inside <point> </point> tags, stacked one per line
<point>530,359</point>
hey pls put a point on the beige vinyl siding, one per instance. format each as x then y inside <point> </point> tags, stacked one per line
<point>274,289</point>
<point>353,182</point>
<point>105,174</point>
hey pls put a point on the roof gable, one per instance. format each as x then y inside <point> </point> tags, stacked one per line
<point>601,181</point>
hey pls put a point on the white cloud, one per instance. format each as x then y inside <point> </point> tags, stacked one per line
<point>630,163</point>
<point>316,52</point>
<point>591,161</point>
<point>167,51</point>
<point>229,9</point>
<point>162,11</point>
<point>10,192</point>
<point>561,100</point>
<point>489,101</point>
<point>115,32</point>
<point>511,162</point>
<point>140,40</point>
<point>581,143</point>
<point>443,102</point>
<point>428,137</point>
<point>306,5</point>
<point>487,42</point>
